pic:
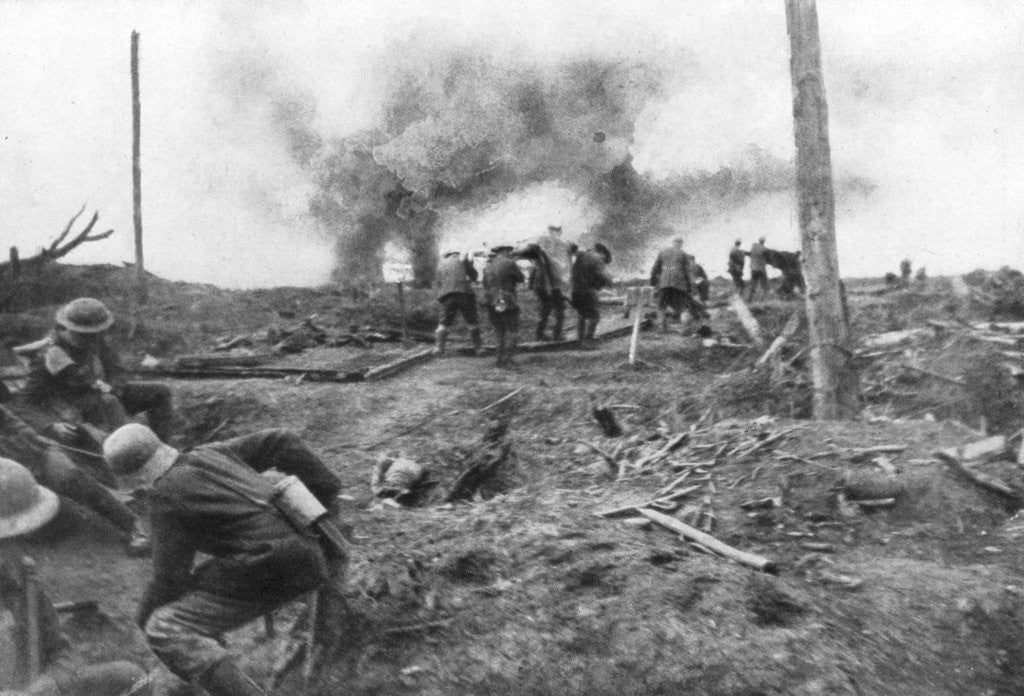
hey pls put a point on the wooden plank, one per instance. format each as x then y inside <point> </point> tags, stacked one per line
<point>721,548</point>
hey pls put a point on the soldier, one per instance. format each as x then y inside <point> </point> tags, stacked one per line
<point>501,276</point>
<point>737,257</point>
<point>589,274</point>
<point>455,278</point>
<point>50,466</point>
<point>32,655</point>
<point>550,282</point>
<point>758,271</point>
<point>700,281</point>
<point>672,274</point>
<point>214,500</point>
<point>75,378</point>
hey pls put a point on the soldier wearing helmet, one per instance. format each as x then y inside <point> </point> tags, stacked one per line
<point>48,464</point>
<point>75,380</point>
<point>214,500</point>
<point>30,642</point>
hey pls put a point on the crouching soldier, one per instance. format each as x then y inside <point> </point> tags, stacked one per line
<point>75,377</point>
<point>33,659</point>
<point>213,500</point>
<point>589,274</point>
<point>455,278</point>
<point>51,467</point>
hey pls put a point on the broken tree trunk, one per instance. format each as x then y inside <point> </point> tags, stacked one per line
<point>747,319</point>
<point>722,549</point>
<point>606,419</point>
<point>836,388</point>
<point>791,327</point>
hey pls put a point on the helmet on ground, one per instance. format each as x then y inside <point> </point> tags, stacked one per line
<point>135,454</point>
<point>24,505</point>
<point>85,315</point>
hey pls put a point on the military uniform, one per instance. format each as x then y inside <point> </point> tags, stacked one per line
<point>455,278</point>
<point>213,500</point>
<point>501,277</point>
<point>589,274</point>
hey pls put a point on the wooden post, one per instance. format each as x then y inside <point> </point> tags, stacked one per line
<point>401,311</point>
<point>637,299</point>
<point>140,269</point>
<point>835,379</point>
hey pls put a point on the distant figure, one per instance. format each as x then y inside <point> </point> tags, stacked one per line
<point>672,275</point>
<point>589,274</point>
<point>737,258</point>
<point>905,272</point>
<point>501,278</point>
<point>921,278</point>
<point>552,284</point>
<point>455,278</point>
<point>758,272</point>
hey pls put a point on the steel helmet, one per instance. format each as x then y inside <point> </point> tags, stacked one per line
<point>85,315</point>
<point>137,455</point>
<point>24,505</point>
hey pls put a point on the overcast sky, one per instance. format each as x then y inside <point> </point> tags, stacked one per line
<point>925,98</point>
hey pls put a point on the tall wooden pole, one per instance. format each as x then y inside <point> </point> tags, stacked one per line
<point>141,289</point>
<point>836,385</point>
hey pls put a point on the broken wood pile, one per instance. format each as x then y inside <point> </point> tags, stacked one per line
<point>685,504</point>
<point>308,334</point>
<point>946,368</point>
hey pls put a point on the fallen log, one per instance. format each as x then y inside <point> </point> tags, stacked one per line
<point>989,447</point>
<point>200,361</point>
<point>228,372</point>
<point>747,319</point>
<point>706,540</point>
<point>935,375</point>
<point>394,366</point>
<point>978,478</point>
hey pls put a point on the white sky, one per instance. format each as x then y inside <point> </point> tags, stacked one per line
<point>925,98</point>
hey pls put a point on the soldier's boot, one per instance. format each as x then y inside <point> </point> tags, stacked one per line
<point>556,334</point>
<point>474,337</point>
<point>440,340</point>
<point>226,678</point>
<point>581,331</point>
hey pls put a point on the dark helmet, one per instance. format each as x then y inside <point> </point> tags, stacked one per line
<point>603,251</point>
<point>85,315</point>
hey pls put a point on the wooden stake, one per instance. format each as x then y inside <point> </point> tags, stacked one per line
<point>747,319</point>
<point>140,268</point>
<point>836,388</point>
<point>401,310</point>
<point>635,339</point>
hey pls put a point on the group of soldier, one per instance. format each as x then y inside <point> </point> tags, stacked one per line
<point>560,274</point>
<point>787,262</point>
<point>69,433</point>
<point>79,430</point>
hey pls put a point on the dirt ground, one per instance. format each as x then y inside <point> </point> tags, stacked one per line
<point>527,590</point>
